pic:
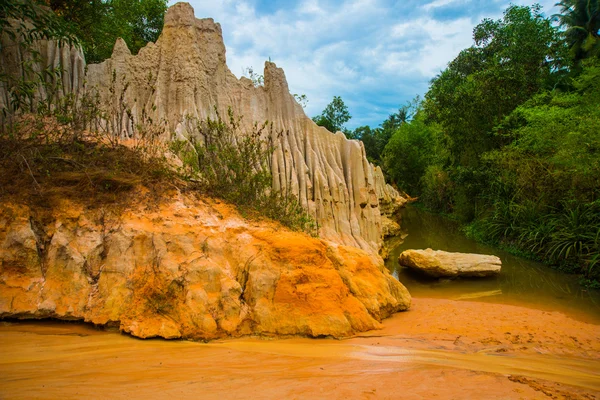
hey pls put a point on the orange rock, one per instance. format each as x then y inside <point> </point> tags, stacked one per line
<point>188,268</point>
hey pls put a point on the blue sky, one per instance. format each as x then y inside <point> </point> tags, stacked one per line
<point>376,54</point>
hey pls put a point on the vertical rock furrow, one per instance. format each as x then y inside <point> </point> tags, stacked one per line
<point>184,74</point>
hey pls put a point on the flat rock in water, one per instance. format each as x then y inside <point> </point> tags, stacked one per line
<point>438,264</point>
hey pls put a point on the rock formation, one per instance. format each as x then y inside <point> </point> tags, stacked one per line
<point>184,75</point>
<point>186,268</point>
<point>184,78</point>
<point>64,67</point>
<point>439,264</point>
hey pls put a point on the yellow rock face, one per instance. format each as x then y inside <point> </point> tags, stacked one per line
<point>187,268</point>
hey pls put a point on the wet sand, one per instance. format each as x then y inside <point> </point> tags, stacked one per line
<point>440,349</point>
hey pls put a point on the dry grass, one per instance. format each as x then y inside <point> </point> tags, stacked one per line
<point>44,163</point>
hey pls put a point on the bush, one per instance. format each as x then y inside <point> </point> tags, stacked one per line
<point>408,153</point>
<point>437,189</point>
<point>545,188</point>
<point>229,163</point>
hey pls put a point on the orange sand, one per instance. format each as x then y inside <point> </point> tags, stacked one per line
<point>439,349</point>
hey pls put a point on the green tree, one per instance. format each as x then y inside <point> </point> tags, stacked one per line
<point>581,18</point>
<point>44,23</point>
<point>98,23</point>
<point>513,59</point>
<point>391,125</point>
<point>368,136</point>
<point>24,82</point>
<point>376,139</point>
<point>334,116</point>
<point>545,193</point>
<point>409,152</point>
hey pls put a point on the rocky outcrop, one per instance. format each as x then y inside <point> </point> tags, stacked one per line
<point>186,268</point>
<point>440,264</point>
<point>183,78</point>
<point>62,65</point>
<point>390,200</point>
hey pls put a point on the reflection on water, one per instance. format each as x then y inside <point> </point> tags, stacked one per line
<point>521,282</point>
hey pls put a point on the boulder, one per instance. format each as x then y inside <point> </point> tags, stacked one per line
<point>439,264</point>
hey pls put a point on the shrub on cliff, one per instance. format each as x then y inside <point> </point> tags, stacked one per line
<point>235,165</point>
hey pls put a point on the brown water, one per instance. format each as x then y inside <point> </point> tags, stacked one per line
<point>521,282</point>
<point>60,360</point>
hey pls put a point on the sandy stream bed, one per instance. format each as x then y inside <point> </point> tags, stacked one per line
<point>439,349</point>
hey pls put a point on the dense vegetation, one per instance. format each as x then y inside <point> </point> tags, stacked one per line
<point>96,24</point>
<point>507,138</point>
<point>232,164</point>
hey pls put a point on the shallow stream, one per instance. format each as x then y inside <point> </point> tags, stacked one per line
<point>521,282</point>
<point>51,360</point>
<point>438,349</point>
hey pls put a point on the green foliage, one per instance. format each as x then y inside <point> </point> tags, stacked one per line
<point>33,22</point>
<point>546,187</point>
<point>508,138</point>
<point>235,165</point>
<point>512,59</point>
<point>29,85</point>
<point>334,116</point>
<point>369,138</point>
<point>581,18</point>
<point>409,152</point>
<point>437,189</point>
<point>98,23</point>
<point>376,139</point>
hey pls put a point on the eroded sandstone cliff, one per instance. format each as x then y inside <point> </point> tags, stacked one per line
<point>183,78</point>
<point>186,268</point>
<point>184,75</point>
<point>62,66</point>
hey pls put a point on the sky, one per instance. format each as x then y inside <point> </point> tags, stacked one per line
<point>376,54</point>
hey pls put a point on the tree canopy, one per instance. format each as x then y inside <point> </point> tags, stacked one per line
<point>581,20</point>
<point>512,59</point>
<point>98,23</point>
<point>334,116</point>
<point>507,137</point>
<point>44,23</point>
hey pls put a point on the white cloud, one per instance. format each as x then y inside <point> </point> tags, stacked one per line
<point>374,54</point>
<point>309,7</point>
<point>438,3</point>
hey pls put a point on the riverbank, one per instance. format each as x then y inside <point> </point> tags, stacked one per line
<point>440,348</point>
<point>521,282</point>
